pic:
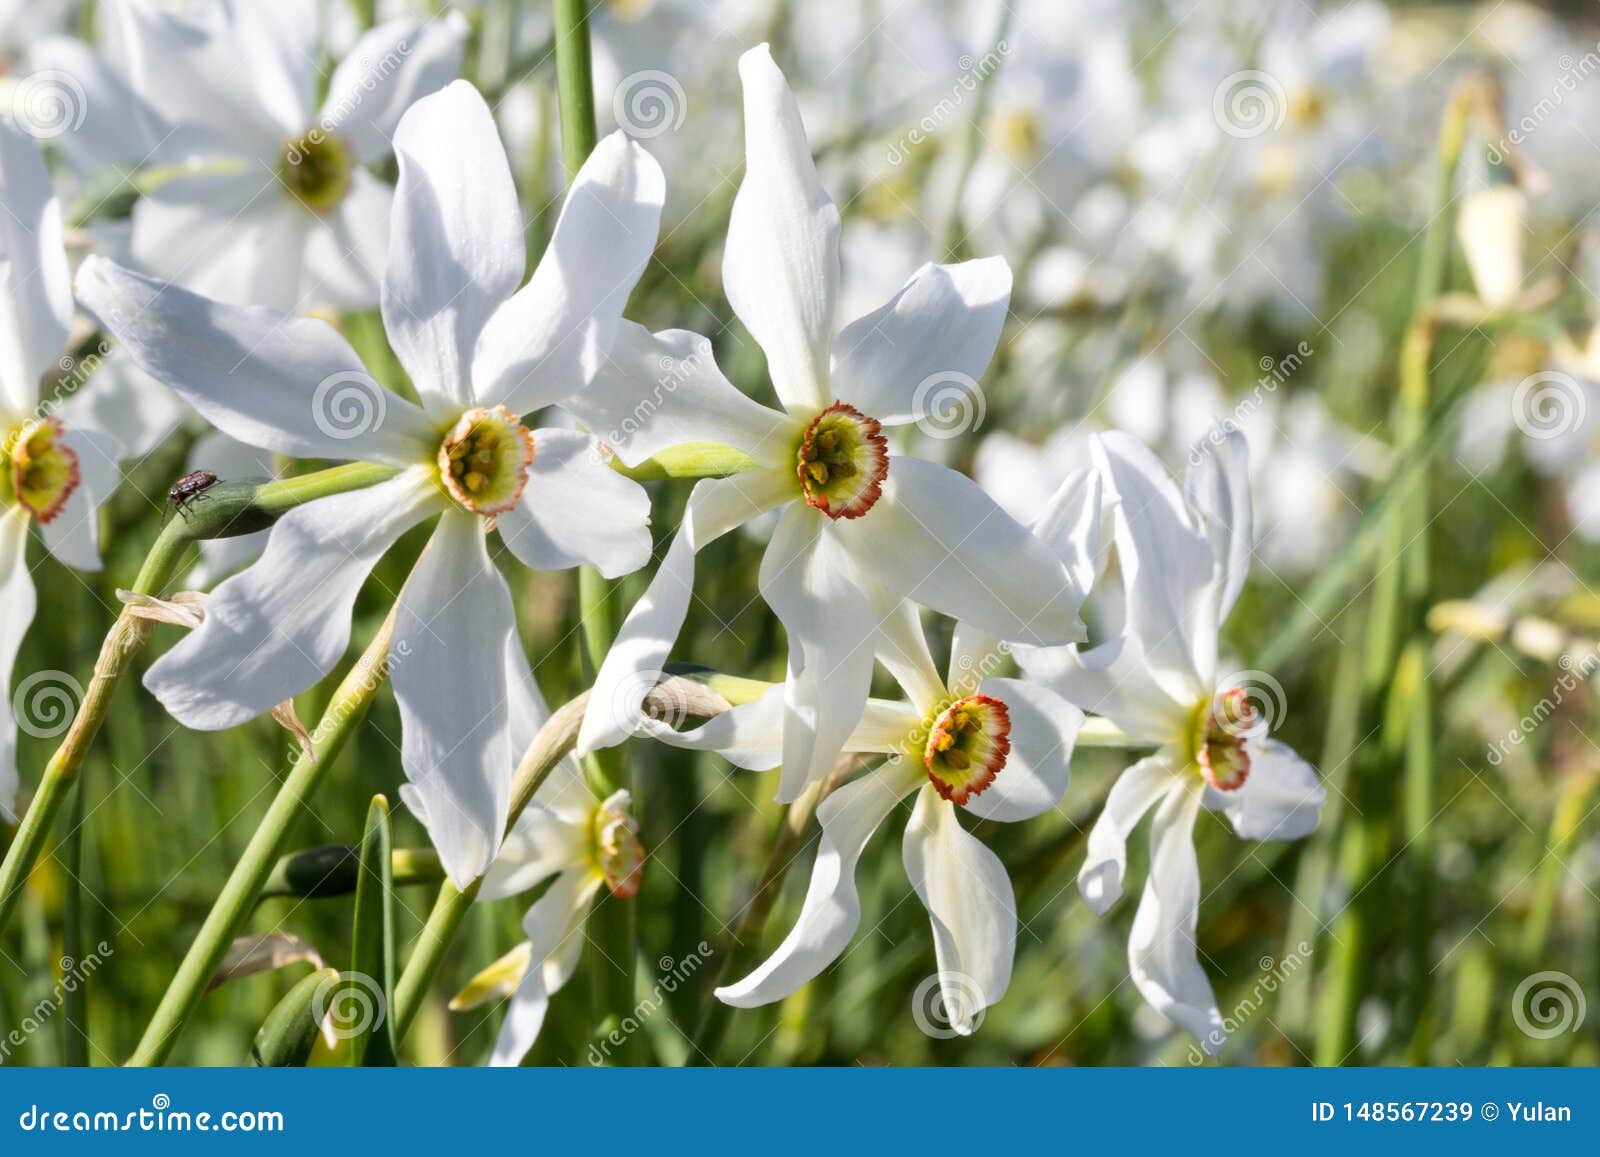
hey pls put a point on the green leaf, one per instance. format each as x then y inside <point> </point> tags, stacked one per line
<point>286,1037</point>
<point>372,953</point>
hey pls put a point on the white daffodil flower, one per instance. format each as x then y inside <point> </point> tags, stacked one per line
<point>481,352</point>
<point>587,844</point>
<point>1184,557</point>
<point>280,209</point>
<point>859,528</point>
<point>51,474</point>
<point>998,747</point>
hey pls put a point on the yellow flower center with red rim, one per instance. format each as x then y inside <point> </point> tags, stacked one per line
<point>1223,729</point>
<point>484,460</point>
<point>38,470</point>
<point>842,462</point>
<point>968,743</point>
<point>617,850</point>
<point>316,169</point>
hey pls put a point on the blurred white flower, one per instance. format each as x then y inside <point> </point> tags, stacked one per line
<point>277,207</point>
<point>586,844</point>
<point>1184,557</point>
<point>52,474</point>
<point>481,353</point>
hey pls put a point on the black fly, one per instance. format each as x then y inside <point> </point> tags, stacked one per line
<point>189,489</point>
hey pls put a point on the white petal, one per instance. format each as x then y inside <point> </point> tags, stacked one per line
<point>290,384</point>
<point>1167,568</point>
<point>542,843</point>
<point>1077,525</point>
<point>279,58</point>
<point>748,736</point>
<point>110,125</point>
<point>1218,488</point>
<point>1281,798</point>
<point>1044,727</point>
<point>456,246</point>
<point>903,650</point>
<point>122,400</point>
<point>553,923</point>
<point>1134,793</point>
<point>552,337</point>
<point>633,664</point>
<point>974,654</point>
<point>450,681</point>
<point>664,389</point>
<point>780,268</point>
<point>968,895</point>
<point>920,353</point>
<point>225,238</point>
<point>832,909</point>
<point>1162,955</point>
<point>73,535</point>
<point>1113,680</point>
<point>274,629</point>
<point>35,286</point>
<point>576,509</point>
<point>346,251</point>
<point>18,601</point>
<point>386,70</point>
<point>939,540</point>
<point>810,584</point>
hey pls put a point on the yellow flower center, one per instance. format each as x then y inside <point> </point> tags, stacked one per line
<point>842,462</point>
<point>316,169</point>
<point>1223,728</point>
<point>484,460</point>
<point>968,743</point>
<point>1016,134</point>
<point>1307,108</point>
<point>38,471</point>
<point>617,851</point>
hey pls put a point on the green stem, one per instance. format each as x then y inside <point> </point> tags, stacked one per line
<point>228,509</point>
<point>575,84</point>
<point>239,895</point>
<point>75,1027</point>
